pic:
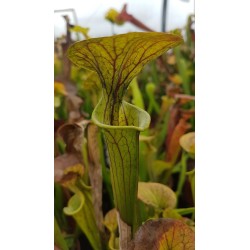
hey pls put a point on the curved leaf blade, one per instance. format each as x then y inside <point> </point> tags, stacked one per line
<point>110,220</point>
<point>164,234</point>
<point>157,195</point>
<point>80,207</point>
<point>187,142</point>
<point>118,59</point>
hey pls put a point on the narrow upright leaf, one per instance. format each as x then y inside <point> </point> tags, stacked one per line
<point>174,145</point>
<point>117,60</point>
<point>95,172</point>
<point>58,237</point>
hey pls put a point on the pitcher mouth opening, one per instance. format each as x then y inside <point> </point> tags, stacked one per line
<point>76,203</point>
<point>136,118</point>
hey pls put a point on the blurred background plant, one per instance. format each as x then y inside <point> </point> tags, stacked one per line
<point>84,208</point>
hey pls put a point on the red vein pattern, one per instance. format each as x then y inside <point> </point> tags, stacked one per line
<point>117,60</point>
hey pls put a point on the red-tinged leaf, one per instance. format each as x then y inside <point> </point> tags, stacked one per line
<point>187,114</point>
<point>124,16</point>
<point>185,98</point>
<point>95,172</point>
<point>72,134</point>
<point>174,146</point>
<point>74,104</point>
<point>173,90</point>
<point>164,234</point>
<point>67,168</point>
<point>173,121</point>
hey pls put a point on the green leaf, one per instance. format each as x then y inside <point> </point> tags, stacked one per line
<point>117,60</point>
<point>137,95</point>
<point>162,121</point>
<point>183,71</point>
<point>159,168</point>
<point>82,30</point>
<point>57,101</point>
<point>123,148</point>
<point>58,237</point>
<point>185,211</point>
<point>153,105</point>
<point>171,213</point>
<point>75,204</point>
<point>157,195</point>
<point>164,234</point>
<point>191,177</point>
<point>81,208</point>
<point>173,148</point>
<point>182,176</point>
